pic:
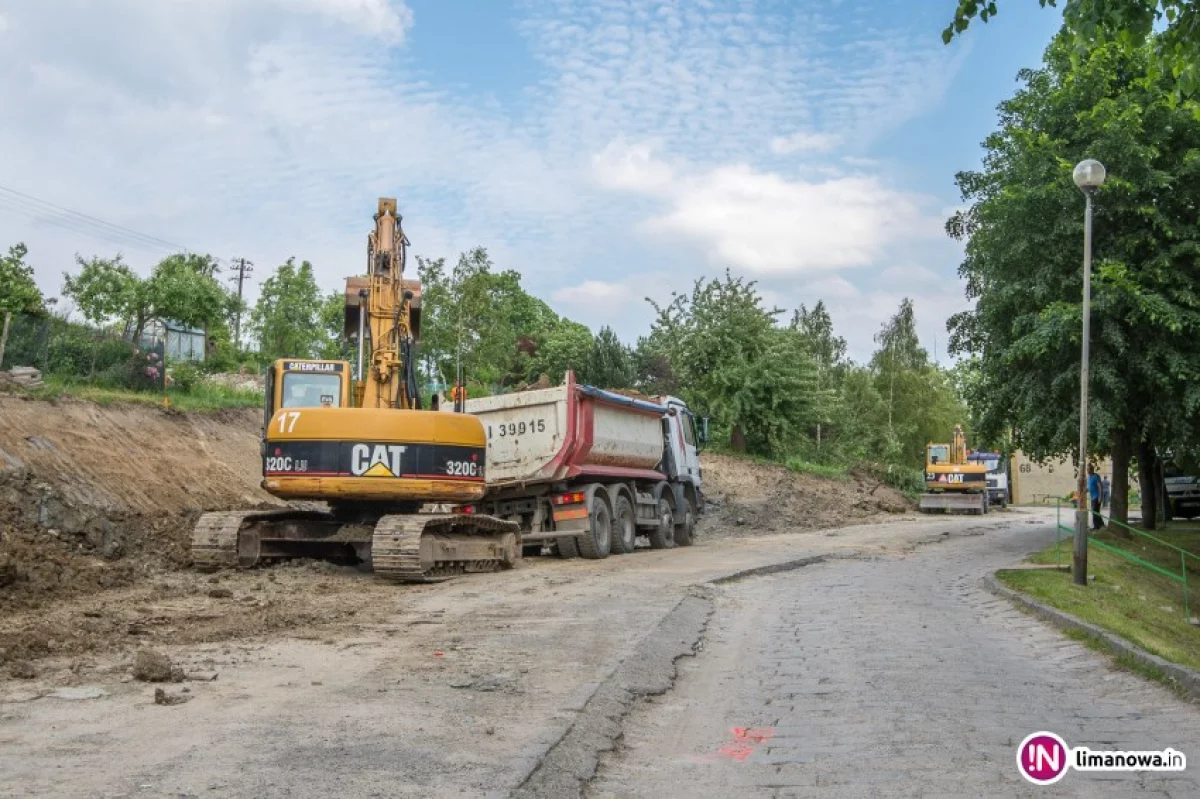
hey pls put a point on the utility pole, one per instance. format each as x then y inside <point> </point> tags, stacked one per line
<point>242,268</point>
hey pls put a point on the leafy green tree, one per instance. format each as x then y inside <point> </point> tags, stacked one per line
<point>828,352</point>
<point>486,319</point>
<point>287,318</point>
<point>921,400</point>
<point>610,363</point>
<point>333,344</point>
<point>19,293</point>
<point>179,290</point>
<point>1023,233</point>
<point>652,370</point>
<point>1174,54</point>
<point>718,341</point>
<point>568,345</point>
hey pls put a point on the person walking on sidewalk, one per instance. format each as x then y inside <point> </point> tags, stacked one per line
<point>1106,492</point>
<point>1095,491</point>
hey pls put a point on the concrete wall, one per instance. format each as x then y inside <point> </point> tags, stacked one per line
<point>1041,484</point>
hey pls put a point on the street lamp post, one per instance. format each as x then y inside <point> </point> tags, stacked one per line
<point>1088,176</point>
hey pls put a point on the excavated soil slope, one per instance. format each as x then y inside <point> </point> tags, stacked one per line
<point>91,496</point>
<point>97,504</point>
<point>750,498</point>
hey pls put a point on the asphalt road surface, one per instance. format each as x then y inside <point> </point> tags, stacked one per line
<point>891,676</point>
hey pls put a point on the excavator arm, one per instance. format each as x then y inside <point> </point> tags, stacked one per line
<point>383,315</point>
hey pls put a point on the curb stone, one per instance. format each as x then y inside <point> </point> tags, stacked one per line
<point>1187,679</point>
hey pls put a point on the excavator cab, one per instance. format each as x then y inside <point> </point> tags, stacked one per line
<point>306,384</point>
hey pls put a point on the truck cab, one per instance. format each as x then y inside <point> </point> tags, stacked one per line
<point>683,439</point>
<point>997,475</point>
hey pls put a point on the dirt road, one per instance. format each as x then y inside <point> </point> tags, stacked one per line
<point>456,689</point>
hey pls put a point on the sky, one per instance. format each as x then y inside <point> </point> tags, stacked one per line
<point>608,150</point>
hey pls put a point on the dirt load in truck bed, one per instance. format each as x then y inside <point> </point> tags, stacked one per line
<point>97,505</point>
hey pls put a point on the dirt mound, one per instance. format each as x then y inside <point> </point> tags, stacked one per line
<point>93,497</point>
<point>749,498</point>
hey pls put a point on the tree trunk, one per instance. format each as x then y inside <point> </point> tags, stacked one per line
<point>1163,498</point>
<point>1119,509</point>
<point>737,439</point>
<point>4,336</point>
<point>1148,478</point>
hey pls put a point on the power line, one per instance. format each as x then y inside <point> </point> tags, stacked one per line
<point>64,223</point>
<point>68,218</point>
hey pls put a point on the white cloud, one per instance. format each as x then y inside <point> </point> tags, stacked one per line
<point>387,19</point>
<point>591,293</point>
<point>908,275</point>
<point>622,165</point>
<point>765,223</point>
<point>804,142</point>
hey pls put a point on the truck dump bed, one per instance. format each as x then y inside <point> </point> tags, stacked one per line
<point>558,434</point>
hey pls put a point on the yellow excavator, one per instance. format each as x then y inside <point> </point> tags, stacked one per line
<point>366,449</point>
<point>952,482</point>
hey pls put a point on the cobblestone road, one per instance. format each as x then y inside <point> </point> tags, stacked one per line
<point>891,677</point>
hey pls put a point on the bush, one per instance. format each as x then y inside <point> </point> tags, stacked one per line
<point>187,376</point>
<point>817,469</point>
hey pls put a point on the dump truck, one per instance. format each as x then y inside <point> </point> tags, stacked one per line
<point>587,472</point>
<point>952,482</point>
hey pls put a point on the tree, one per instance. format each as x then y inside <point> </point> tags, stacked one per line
<point>652,370</point>
<point>107,290</point>
<point>568,345</point>
<point>1023,233</point>
<point>725,348</point>
<point>19,292</point>
<point>920,398</point>
<point>287,318</point>
<point>333,344</point>
<point>1175,53</point>
<point>486,319</point>
<point>828,351</point>
<point>610,363</point>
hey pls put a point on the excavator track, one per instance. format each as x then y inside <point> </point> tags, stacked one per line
<point>427,548</point>
<point>221,540</point>
<point>215,540</point>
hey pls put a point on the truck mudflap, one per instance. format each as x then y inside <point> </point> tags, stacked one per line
<point>944,502</point>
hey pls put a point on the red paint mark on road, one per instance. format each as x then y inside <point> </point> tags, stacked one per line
<point>439,654</point>
<point>744,741</point>
<point>756,735</point>
<point>736,751</point>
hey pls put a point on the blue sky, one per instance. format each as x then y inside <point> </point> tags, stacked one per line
<point>608,150</point>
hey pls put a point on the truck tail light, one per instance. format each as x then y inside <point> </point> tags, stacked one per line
<point>466,510</point>
<point>573,498</point>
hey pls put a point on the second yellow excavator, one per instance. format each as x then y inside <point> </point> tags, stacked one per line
<point>366,449</point>
<point>952,481</point>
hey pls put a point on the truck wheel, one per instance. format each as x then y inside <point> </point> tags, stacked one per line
<point>686,531</point>
<point>624,529</point>
<point>597,542</point>
<point>566,547</point>
<point>663,536</point>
